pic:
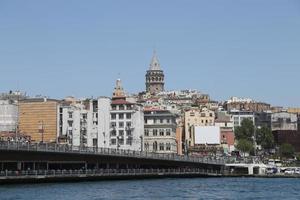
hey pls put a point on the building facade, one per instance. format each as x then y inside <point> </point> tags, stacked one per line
<point>155,77</point>
<point>121,123</point>
<point>284,121</point>
<point>38,118</point>
<point>160,131</point>
<point>246,104</point>
<point>73,125</point>
<point>196,117</point>
<point>8,116</point>
<point>238,116</point>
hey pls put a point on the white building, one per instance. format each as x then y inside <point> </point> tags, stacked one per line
<point>73,124</point>
<point>238,116</point>
<point>284,121</point>
<point>120,122</point>
<point>8,115</point>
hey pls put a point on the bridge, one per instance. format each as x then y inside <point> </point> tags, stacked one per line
<point>49,160</point>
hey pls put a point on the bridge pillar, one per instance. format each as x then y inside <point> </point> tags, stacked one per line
<point>250,170</point>
<point>19,166</point>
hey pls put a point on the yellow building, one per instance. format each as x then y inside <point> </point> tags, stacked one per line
<point>196,117</point>
<point>294,110</point>
<point>38,119</point>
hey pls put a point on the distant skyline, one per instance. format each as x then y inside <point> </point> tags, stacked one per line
<point>62,48</point>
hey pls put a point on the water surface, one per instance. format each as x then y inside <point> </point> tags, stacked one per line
<point>197,188</point>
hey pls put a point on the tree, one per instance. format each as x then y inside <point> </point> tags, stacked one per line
<point>265,138</point>
<point>287,150</point>
<point>245,146</point>
<point>245,131</point>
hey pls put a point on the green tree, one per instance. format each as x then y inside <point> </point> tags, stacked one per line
<point>245,146</point>
<point>265,138</point>
<point>245,131</point>
<point>287,150</point>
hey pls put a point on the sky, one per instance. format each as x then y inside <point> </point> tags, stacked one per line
<point>246,48</point>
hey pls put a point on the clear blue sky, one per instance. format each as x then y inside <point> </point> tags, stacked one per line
<point>223,48</point>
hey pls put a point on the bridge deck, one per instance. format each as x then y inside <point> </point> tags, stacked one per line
<point>66,149</point>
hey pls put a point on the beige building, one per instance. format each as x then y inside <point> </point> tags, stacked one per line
<point>294,110</point>
<point>38,119</point>
<point>196,117</point>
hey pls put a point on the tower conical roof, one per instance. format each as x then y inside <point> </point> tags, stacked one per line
<point>154,65</point>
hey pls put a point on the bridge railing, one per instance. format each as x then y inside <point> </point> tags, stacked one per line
<point>52,147</point>
<point>107,172</point>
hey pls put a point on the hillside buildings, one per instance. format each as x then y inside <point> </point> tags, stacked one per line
<point>246,104</point>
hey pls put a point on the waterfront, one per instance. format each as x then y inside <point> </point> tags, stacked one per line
<point>197,188</point>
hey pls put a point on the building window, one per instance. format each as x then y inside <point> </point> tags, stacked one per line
<point>128,133</point>
<point>84,116</point>
<point>154,121</point>
<point>147,146</point>
<point>168,147</point>
<point>146,132</point>
<point>146,121</point>
<point>113,133</point>
<point>128,115</point>
<point>168,132</point>
<point>129,141</point>
<point>202,114</point>
<point>70,123</point>
<point>161,147</point>
<point>168,121</point>
<point>113,141</point>
<point>154,132</point>
<point>95,142</point>
<point>114,107</point>
<point>121,132</point>
<point>70,115</point>
<point>121,107</point>
<point>121,124</point>
<point>113,124</point>
<point>161,132</point>
<point>113,116</point>
<point>121,141</point>
<point>121,116</point>
<point>128,124</point>
<point>161,121</point>
<point>70,132</point>
<point>155,146</point>
<point>210,114</point>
